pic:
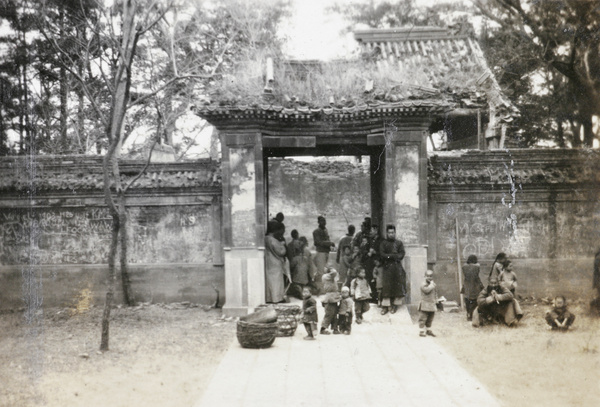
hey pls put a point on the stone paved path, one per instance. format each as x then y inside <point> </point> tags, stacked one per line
<point>382,363</point>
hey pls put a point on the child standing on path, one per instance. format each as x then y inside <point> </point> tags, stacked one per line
<point>508,278</point>
<point>559,318</point>
<point>309,314</point>
<point>345,312</point>
<point>361,291</point>
<point>330,300</point>
<point>427,306</point>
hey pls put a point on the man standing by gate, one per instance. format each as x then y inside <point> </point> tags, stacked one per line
<point>323,245</point>
<point>391,252</point>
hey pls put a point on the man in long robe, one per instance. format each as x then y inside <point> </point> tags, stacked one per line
<point>275,262</point>
<point>391,252</point>
<point>496,303</point>
<point>323,244</point>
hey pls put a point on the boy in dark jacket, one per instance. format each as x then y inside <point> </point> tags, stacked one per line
<point>309,314</point>
<point>345,312</point>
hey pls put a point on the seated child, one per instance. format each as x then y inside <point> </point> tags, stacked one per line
<point>309,313</point>
<point>559,318</point>
<point>378,276</point>
<point>361,292</point>
<point>330,300</point>
<point>508,278</point>
<point>345,312</point>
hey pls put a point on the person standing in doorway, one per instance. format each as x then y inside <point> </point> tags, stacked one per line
<point>391,252</point>
<point>344,242</point>
<point>323,244</point>
<point>275,265</point>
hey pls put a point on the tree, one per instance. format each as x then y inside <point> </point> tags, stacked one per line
<point>387,14</point>
<point>135,52</point>
<point>556,42</point>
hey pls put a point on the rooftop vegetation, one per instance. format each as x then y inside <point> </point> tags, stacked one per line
<point>344,82</point>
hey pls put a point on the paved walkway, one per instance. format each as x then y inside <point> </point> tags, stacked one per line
<point>382,363</point>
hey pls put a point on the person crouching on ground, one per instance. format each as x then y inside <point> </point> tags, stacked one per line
<point>361,292</point>
<point>345,312</point>
<point>309,314</point>
<point>496,303</point>
<point>330,300</point>
<point>427,306</point>
<point>559,318</point>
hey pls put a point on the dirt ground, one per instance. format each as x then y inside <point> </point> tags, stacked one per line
<point>159,356</point>
<point>165,355</point>
<point>529,365</point>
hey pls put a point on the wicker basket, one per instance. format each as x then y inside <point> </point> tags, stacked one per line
<point>287,320</point>
<point>256,335</point>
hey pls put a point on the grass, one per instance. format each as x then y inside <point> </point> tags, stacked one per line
<point>317,84</point>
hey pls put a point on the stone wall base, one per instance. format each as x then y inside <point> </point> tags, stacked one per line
<point>73,285</point>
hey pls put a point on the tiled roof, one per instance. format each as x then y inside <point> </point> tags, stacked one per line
<point>516,167</point>
<point>84,173</point>
<point>435,52</point>
<point>329,113</point>
<point>416,71</point>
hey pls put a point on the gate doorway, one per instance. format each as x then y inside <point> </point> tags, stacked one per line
<point>344,189</point>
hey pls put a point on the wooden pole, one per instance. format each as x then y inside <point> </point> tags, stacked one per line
<point>459,268</point>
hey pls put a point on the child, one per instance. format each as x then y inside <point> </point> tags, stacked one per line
<point>330,300</point>
<point>508,278</point>
<point>346,262</point>
<point>472,284</point>
<point>427,306</point>
<point>497,267</point>
<point>361,292</point>
<point>309,315</point>
<point>378,276</point>
<point>355,260</point>
<point>559,318</point>
<point>345,312</point>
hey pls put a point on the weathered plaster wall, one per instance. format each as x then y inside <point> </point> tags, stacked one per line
<point>340,191</point>
<point>540,207</point>
<point>55,231</point>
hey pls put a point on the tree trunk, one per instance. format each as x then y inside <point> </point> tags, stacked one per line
<point>126,281</point>
<point>560,133</point>
<point>120,98</point>
<point>110,292</point>
<point>576,128</point>
<point>588,131</point>
<point>64,91</point>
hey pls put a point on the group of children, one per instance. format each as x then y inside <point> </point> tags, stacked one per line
<point>559,317</point>
<point>338,304</point>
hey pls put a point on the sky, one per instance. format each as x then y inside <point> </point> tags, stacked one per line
<point>312,33</point>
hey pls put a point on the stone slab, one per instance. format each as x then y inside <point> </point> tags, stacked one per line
<point>382,363</point>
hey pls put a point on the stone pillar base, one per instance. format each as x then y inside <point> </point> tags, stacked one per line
<point>244,280</point>
<point>415,264</point>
